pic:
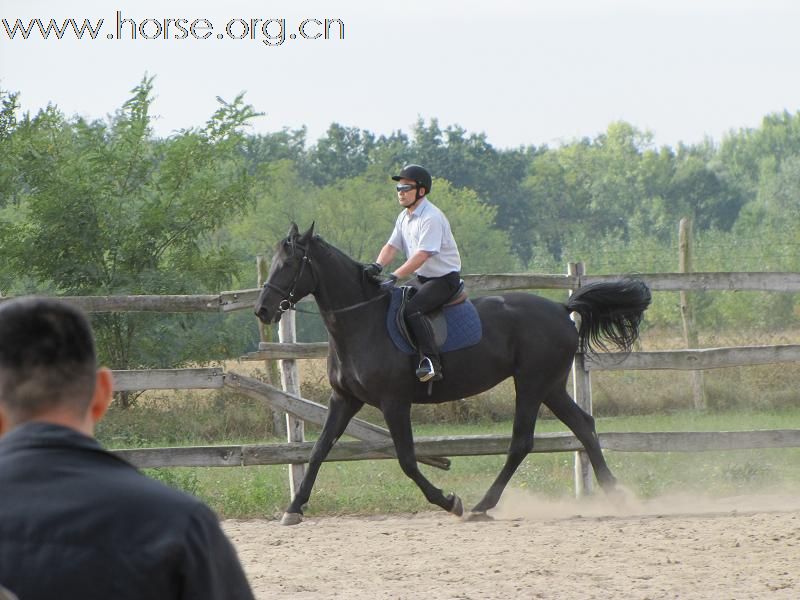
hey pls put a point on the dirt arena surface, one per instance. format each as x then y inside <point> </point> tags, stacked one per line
<point>676,547</point>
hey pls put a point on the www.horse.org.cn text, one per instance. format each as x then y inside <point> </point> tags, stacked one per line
<point>270,32</point>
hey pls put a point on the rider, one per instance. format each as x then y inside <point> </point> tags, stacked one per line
<point>422,233</point>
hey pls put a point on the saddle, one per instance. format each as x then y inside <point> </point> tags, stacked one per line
<point>455,325</point>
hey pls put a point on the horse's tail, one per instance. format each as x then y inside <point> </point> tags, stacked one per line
<point>610,311</point>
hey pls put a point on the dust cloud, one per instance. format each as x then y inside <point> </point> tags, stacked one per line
<point>522,504</point>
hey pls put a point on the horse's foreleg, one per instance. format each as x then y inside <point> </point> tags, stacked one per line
<point>525,412</point>
<point>581,424</point>
<point>398,419</point>
<point>340,411</point>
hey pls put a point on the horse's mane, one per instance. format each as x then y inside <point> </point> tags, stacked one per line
<point>333,250</point>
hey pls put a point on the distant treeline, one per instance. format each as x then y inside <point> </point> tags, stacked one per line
<point>106,207</point>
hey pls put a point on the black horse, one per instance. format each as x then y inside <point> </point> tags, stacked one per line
<point>526,337</point>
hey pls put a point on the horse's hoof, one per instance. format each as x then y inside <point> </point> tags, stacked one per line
<point>291,518</point>
<point>458,506</point>
<point>477,517</point>
<point>622,497</point>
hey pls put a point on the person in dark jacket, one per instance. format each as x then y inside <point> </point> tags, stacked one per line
<point>75,520</point>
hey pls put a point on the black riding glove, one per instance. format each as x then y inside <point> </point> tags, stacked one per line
<point>373,271</point>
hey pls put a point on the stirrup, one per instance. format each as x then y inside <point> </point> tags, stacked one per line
<point>426,370</point>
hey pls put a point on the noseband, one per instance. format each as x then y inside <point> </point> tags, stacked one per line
<point>288,302</point>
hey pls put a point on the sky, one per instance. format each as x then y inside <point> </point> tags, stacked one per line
<point>522,73</point>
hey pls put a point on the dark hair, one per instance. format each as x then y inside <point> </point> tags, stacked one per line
<point>47,357</point>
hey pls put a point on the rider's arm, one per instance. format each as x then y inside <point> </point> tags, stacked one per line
<point>386,255</point>
<point>412,264</point>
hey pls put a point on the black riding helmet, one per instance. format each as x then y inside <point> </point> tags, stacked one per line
<point>417,174</point>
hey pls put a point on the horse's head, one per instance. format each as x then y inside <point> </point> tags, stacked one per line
<point>291,277</point>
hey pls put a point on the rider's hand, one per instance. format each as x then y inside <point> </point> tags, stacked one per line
<point>373,271</point>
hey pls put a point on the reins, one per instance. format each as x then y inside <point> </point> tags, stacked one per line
<point>353,306</point>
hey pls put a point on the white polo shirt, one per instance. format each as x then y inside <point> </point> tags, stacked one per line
<point>427,229</point>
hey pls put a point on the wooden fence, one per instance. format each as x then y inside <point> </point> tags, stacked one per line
<point>374,442</point>
<point>477,284</point>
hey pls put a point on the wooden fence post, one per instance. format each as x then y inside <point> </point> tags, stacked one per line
<point>582,394</point>
<point>290,381</point>
<point>687,312</point>
<point>265,335</point>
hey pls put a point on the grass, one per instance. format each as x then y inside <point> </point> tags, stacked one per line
<point>372,487</point>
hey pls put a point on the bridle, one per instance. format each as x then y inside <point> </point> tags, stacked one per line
<point>288,302</point>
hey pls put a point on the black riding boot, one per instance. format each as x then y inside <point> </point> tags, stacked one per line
<point>430,367</point>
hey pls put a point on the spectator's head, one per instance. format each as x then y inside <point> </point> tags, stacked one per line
<point>48,366</point>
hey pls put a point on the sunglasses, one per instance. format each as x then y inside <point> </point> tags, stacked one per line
<point>405,187</point>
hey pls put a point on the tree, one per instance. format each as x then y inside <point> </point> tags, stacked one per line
<point>557,197</point>
<point>107,209</point>
<point>341,153</point>
<point>9,105</point>
<point>271,147</point>
<point>470,161</point>
<point>697,191</point>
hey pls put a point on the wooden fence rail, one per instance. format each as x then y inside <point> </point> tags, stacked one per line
<point>691,360</point>
<point>168,379</point>
<point>475,445</point>
<point>312,412</point>
<point>224,302</point>
<point>684,360</point>
<point>244,299</point>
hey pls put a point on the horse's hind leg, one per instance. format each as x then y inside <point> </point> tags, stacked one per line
<point>398,419</point>
<point>525,412</point>
<point>581,424</point>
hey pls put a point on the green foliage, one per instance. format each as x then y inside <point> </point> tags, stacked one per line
<point>342,153</point>
<point>750,154</point>
<point>9,165</point>
<point>104,208</point>
<point>8,113</point>
<point>470,161</point>
<point>181,479</point>
<point>109,209</point>
<point>619,184</point>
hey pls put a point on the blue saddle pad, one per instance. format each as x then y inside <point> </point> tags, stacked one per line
<point>463,325</point>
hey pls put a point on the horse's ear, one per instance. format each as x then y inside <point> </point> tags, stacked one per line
<point>308,234</point>
<point>293,231</point>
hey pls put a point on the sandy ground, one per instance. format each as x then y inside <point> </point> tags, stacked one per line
<point>676,547</point>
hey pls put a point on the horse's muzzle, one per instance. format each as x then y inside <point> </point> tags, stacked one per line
<point>265,317</point>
